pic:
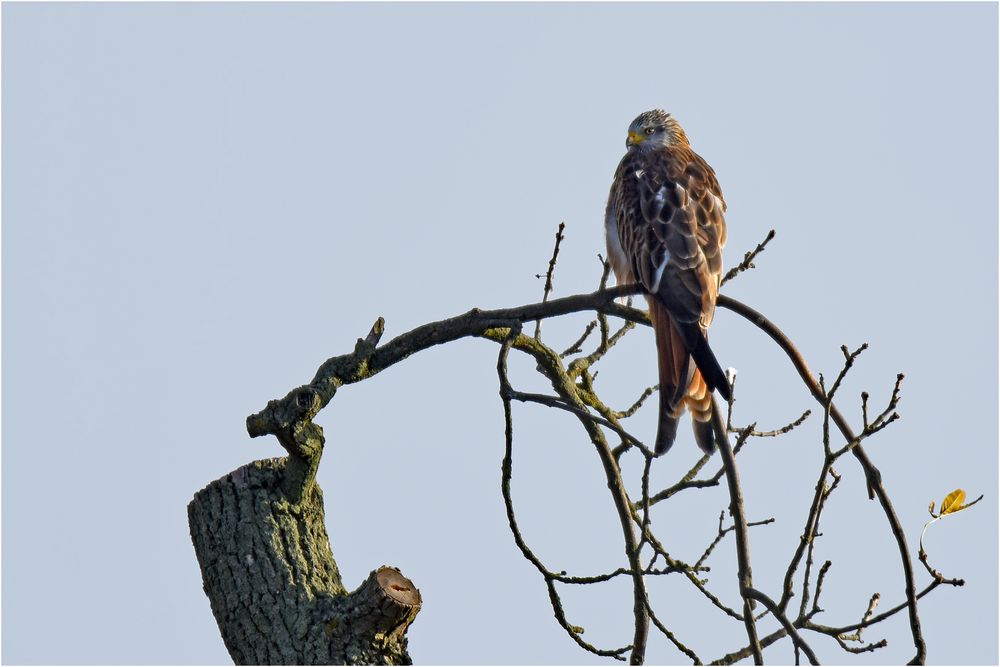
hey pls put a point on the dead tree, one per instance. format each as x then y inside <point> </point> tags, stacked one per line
<point>274,586</point>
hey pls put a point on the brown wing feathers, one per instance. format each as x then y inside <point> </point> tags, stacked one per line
<point>671,225</point>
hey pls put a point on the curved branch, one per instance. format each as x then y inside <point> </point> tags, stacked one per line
<point>872,474</point>
<point>506,474</point>
<point>736,508</point>
<point>303,403</point>
<point>290,418</point>
<point>550,365</point>
<point>785,623</point>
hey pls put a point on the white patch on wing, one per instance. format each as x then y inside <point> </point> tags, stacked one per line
<point>658,275</point>
<point>616,254</point>
<point>639,173</point>
<point>661,195</point>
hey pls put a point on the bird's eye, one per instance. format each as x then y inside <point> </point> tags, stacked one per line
<point>650,130</point>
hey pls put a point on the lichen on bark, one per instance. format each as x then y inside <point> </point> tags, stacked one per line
<point>273,583</point>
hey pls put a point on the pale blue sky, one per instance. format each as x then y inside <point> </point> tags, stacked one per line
<point>201,203</point>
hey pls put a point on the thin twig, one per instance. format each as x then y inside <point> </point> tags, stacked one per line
<point>856,637</point>
<point>820,578</point>
<point>578,345</point>
<point>647,392</point>
<point>672,637</point>
<point>644,527</point>
<point>748,258</point>
<point>747,651</point>
<point>575,631</point>
<point>548,276</point>
<point>722,533</point>
<point>872,604</point>
<point>808,534</point>
<point>577,366</point>
<point>813,534</point>
<point>718,538</point>
<point>849,358</point>
<point>555,402</point>
<point>778,431</point>
<point>882,643</point>
<point>785,623</point>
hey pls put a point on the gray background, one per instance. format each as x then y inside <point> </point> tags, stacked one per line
<point>203,202</point>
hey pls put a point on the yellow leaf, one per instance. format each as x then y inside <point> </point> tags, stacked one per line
<point>953,502</point>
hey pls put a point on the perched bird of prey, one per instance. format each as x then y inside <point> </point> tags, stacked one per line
<point>665,229</point>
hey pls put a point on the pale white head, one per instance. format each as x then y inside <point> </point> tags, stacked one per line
<point>654,129</point>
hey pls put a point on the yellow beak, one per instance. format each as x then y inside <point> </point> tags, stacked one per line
<point>634,138</point>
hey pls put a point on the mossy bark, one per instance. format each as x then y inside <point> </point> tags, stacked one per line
<point>274,586</point>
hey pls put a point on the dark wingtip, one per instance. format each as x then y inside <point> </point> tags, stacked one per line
<point>666,433</point>
<point>704,435</point>
<point>710,369</point>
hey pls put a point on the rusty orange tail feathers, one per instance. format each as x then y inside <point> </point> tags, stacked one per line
<point>683,383</point>
<point>674,364</point>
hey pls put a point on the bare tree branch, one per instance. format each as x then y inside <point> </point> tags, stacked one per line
<point>548,276</point>
<point>785,623</point>
<point>872,474</point>
<point>290,420</point>
<point>740,521</point>
<point>748,258</point>
<point>550,364</point>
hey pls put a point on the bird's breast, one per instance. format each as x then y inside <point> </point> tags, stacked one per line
<point>616,254</point>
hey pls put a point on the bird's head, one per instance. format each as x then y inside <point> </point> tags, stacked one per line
<point>654,129</point>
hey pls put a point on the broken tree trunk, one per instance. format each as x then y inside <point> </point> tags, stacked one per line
<point>273,584</point>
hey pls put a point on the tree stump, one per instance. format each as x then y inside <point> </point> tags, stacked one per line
<point>274,586</point>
